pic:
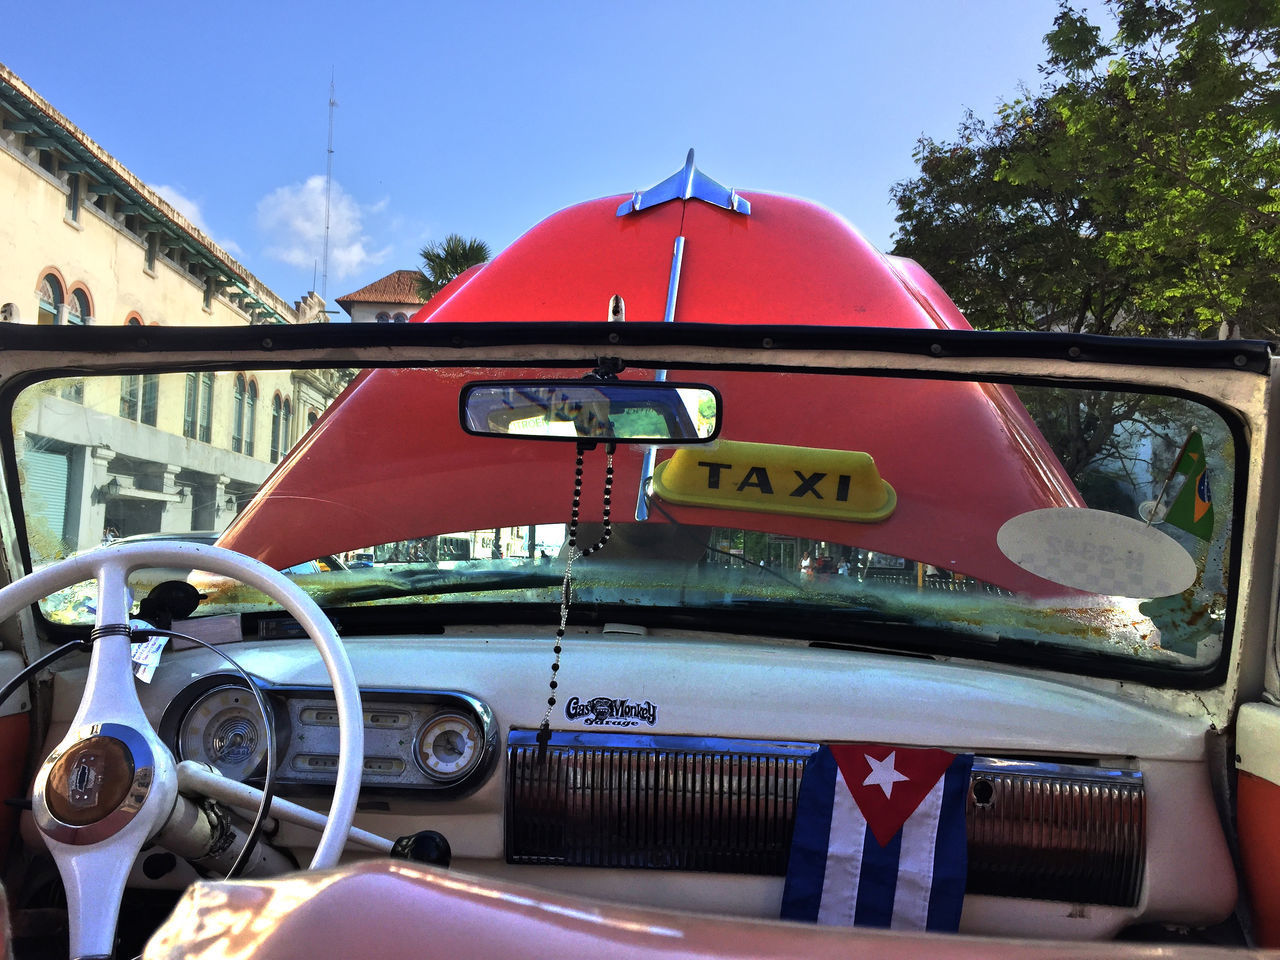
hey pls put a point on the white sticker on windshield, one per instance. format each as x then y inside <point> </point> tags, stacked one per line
<point>146,656</point>
<point>1101,552</point>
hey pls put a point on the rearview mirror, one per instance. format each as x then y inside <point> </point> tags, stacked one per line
<point>612,411</point>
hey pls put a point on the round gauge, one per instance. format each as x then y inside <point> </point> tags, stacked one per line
<point>223,728</point>
<point>448,745</point>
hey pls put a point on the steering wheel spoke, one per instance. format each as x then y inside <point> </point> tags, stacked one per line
<point>109,692</point>
<point>94,879</point>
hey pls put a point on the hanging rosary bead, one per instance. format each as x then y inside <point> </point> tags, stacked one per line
<point>544,729</point>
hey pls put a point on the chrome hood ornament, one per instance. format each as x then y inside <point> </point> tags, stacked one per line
<point>689,183</point>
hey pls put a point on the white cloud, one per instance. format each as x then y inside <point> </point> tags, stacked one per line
<point>191,210</point>
<point>292,218</point>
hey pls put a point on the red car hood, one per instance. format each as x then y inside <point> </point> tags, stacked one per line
<point>388,461</point>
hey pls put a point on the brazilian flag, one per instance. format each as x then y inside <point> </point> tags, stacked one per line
<point>1192,509</point>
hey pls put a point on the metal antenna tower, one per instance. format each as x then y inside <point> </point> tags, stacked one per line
<point>328,192</point>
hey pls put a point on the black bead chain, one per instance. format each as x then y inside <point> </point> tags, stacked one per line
<point>544,731</point>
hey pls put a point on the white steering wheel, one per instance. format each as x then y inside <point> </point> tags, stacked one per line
<point>111,783</point>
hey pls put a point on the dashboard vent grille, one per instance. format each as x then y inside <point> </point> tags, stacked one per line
<point>1039,830</point>
<point>719,810</point>
<point>1074,833</point>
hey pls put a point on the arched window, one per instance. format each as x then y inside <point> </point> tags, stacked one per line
<point>275,428</point>
<point>50,299</point>
<point>383,317</point>
<point>78,309</point>
<point>400,318</point>
<point>250,412</point>
<point>133,320</point>
<point>206,407</point>
<point>312,417</point>
<point>237,414</point>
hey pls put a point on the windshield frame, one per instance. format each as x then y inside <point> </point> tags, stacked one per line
<point>1233,370</point>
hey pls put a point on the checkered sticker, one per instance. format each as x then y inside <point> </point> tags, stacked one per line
<point>1100,552</point>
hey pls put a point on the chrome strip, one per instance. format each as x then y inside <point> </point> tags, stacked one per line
<point>669,316</point>
<point>673,285</point>
<point>633,741</point>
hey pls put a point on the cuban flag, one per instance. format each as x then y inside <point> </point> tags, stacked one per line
<point>879,838</point>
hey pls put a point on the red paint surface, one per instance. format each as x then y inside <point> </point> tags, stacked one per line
<point>568,268</point>
<point>1258,820</point>
<point>389,462</point>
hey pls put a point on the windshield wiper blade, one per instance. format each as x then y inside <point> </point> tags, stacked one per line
<point>841,610</point>
<point>385,584</point>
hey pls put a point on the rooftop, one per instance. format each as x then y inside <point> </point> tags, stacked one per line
<point>399,286</point>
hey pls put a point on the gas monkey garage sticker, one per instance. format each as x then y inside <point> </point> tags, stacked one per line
<point>610,711</point>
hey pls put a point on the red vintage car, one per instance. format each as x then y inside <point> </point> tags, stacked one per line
<point>716,591</point>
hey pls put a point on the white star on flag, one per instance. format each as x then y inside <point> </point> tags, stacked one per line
<point>882,774</point>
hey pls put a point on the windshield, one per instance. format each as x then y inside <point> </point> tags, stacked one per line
<point>1047,522</point>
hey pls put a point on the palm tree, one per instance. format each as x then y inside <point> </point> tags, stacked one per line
<point>445,259</point>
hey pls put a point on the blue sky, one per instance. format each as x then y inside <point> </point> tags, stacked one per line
<point>484,117</point>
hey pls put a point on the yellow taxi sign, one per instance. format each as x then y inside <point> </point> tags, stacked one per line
<point>775,478</point>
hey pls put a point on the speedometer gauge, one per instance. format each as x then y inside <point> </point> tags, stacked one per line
<point>448,746</point>
<point>223,728</point>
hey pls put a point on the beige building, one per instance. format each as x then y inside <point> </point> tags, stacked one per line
<point>84,241</point>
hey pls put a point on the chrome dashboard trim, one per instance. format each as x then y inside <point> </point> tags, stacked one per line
<point>1037,829</point>
<point>290,699</point>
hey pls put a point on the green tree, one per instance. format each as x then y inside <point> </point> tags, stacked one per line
<point>1184,104</point>
<point>1138,192</point>
<point>1013,254</point>
<point>445,259</point>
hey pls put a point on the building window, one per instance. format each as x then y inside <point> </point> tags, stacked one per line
<point>286,427</point>
<point>400,318</point>
<point>150,398</point>
<point>73,197</point>
<point>237,414</point>
<point>250,424</point>
<point>383,317</point>
<point>129,390</point>
<point>275,428</point>
<point>78,310</point>
<point>134,320</point>
<point>206,407</point>
<point>50,299</point>
<point>189,405</point>
<point>312,417</point>
<point>139,398</point>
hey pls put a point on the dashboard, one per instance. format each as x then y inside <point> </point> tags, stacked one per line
<point>673,767</point>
